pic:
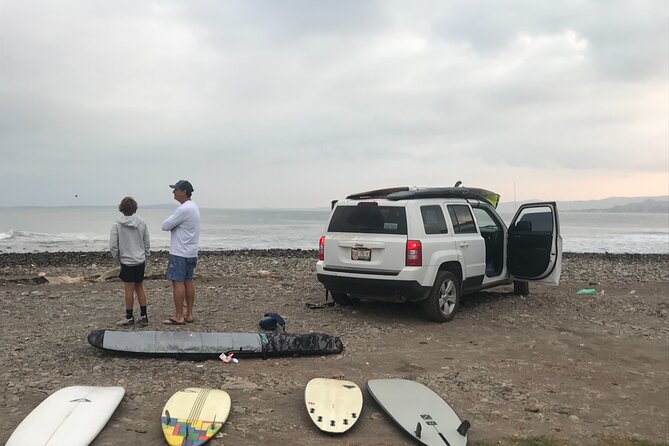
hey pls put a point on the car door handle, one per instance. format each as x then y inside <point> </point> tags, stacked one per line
<point>463,245</point>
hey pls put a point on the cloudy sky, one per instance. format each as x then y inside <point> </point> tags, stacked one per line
<point>295,103</point>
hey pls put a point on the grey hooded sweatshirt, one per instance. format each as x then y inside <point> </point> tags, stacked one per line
<point>129,240</point>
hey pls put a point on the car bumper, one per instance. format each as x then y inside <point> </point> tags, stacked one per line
<point>377,289</point>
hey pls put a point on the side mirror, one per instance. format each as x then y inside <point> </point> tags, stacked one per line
<point>523,226</point>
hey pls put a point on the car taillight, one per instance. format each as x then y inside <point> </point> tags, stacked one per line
<point>321,248</point>
<point>414,253</point>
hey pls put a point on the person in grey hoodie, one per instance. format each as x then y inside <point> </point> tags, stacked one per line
<point>129,244</point>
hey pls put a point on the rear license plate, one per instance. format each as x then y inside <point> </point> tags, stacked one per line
<point>361,254</point>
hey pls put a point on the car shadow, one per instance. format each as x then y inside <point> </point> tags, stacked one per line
<point>382,312</point>
<point>371,311</point>
<point>473,301</point>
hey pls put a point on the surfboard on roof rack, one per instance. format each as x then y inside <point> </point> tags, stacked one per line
<point>415,193</point>
<point>446,192</point>
<point>377,193</point>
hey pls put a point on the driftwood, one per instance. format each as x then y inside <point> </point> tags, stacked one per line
<point>42,278</point>
<point>107,275</point>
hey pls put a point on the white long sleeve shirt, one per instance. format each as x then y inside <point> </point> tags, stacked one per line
<point>184,224</point>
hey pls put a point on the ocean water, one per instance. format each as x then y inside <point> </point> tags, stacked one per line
<point>47,229</point>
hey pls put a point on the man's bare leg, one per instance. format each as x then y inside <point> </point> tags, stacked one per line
<point>179,294</point>
<point>189,286</point>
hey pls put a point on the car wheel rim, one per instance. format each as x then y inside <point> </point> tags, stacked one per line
<point>447,297</point>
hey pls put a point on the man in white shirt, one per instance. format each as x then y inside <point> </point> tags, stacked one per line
<point>184,225</point>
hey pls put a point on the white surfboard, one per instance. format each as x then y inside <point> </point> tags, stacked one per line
<point>71,416</point>
<point>419,411</point>
<point>194,415</point>
<point>334,405</point>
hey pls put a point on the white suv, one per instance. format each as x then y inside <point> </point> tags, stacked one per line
<point>432,245</point>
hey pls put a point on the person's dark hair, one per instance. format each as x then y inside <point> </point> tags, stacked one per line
<point>128,206</point>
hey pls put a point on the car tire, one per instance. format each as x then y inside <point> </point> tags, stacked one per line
<point>343,298</point>
<point>444,298</point>
<point>521,287</point>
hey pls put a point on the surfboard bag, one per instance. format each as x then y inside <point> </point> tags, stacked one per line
<point>210,345</point>
<point>286,344</point>
<point>447,192</point>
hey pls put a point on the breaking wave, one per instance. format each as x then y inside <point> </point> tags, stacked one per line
<point>88,230</point>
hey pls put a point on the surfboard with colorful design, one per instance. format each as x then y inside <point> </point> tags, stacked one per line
<point>192,416</point>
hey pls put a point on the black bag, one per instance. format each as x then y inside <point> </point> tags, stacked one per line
<point>271,321</point>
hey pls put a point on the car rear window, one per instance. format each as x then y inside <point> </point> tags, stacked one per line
<point>369,220</point>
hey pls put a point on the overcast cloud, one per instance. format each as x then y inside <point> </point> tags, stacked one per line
<point>294,103</point>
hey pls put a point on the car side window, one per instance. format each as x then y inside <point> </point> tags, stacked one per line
<point>433,220</point>
<point>533,219</point>
<point>462,218</point>
<point>486,221</point>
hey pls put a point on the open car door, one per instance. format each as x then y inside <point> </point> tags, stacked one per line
<point>534,244</point>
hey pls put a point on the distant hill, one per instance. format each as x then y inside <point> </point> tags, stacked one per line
<point>646,206</point>
<point>159,206</point>
<point>658,204</point>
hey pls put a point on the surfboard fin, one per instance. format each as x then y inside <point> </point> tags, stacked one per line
<point>419,430</point>
<point>464,427</point>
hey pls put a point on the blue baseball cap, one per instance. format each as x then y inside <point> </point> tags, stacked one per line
<point>183,185</point>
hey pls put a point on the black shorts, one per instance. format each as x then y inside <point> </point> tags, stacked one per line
<point>134,273</point>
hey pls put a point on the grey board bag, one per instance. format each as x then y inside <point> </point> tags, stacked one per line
<point>198,345</point>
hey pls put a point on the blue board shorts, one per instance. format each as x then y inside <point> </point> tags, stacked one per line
<point>180,269</point>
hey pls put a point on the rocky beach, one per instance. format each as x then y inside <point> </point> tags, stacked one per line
<point>582,369</point>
